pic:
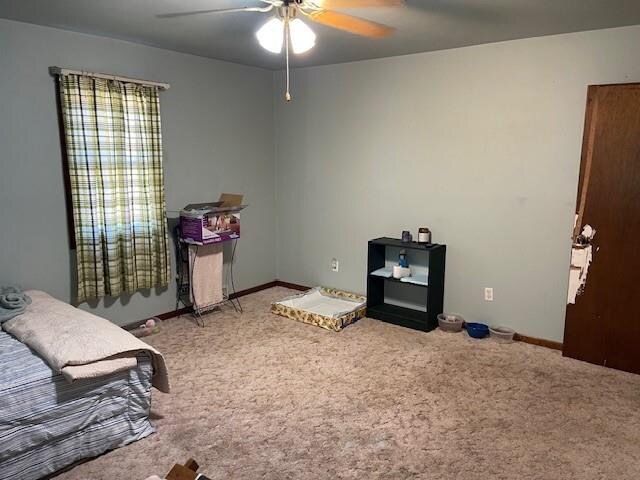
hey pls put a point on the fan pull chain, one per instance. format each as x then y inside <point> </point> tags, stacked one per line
<point>287,95</point>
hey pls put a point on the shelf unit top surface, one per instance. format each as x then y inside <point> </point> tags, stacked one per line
<point>396,242</point>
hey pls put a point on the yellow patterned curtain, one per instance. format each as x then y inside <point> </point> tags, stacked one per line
<point>114,149</point>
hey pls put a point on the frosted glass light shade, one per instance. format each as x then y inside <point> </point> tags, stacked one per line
<point>302,37</point>
<point>271,35</point>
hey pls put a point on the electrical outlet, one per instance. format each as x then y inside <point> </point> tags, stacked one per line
<point>488,294</point>
<point>335,265</point>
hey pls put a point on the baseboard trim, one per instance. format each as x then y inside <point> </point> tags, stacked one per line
<point>186,310</point>
<point>257,288</point>
<point>540,342</point>
<point>174,313</point>
<point>292,286</point>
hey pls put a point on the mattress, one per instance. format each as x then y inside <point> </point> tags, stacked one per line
<point>328,308</point>
<point>47,423</point>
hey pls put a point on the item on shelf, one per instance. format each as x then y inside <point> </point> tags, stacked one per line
<point>385,272</point>
<point>213,222</point>
<point>502,334</point>
<point>424,235</point>
<point>400,272</point>
<point>406,236</point>
<point>477,330</point>
<point>402,269</point>
<point>450,322</point>
<point>402,259</point>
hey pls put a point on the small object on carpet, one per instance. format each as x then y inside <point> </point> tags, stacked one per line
<point>188,471</point>
<point>502,334</point>
<point>477,330</point>
<point>450,322</point>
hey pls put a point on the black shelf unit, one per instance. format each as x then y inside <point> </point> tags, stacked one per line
<point>431,294</point>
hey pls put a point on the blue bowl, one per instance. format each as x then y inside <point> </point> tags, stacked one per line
<point>477,330</point>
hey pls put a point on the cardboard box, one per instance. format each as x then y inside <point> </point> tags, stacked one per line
<point>213,222</point>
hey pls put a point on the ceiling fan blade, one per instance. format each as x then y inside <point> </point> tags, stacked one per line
<point>351,24</point>
<point>219,10</point>
<point>332,4</point>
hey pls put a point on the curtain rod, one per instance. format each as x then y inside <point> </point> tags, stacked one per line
<point>66,71</point>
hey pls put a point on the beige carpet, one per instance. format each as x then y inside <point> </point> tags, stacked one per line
<point>259,396</point>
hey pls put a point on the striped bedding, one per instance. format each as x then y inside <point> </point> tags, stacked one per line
<point>47,423</point>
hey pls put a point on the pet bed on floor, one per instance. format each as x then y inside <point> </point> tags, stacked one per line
<point>324,307</point>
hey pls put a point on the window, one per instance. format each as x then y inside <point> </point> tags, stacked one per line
<point>114,152</point>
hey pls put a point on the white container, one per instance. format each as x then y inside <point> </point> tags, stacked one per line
<point>424,235</point>
<point>450,322</point>
<point>502,334</point>
<point>400,272</point>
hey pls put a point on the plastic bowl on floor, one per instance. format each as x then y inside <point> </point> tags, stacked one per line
<point>450,322</point>
<point>502,334</point>
<point>477,330</point>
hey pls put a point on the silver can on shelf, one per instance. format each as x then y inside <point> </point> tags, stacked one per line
<point>424,235</point>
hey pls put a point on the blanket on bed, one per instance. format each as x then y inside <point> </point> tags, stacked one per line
<point>78,344</point>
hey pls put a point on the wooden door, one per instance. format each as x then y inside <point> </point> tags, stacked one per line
<point>603,326</point>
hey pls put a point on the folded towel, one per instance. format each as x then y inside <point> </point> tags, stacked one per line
<point>13,302</point>
<point>206,269</point>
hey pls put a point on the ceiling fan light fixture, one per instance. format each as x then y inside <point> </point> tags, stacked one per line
<point>271,35</point>
<point>302,37</point>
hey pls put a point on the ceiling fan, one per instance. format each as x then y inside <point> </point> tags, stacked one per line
<point>287,29</point>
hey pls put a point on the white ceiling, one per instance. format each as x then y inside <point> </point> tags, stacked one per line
<point>422,25</point>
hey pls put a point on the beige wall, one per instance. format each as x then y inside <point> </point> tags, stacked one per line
<point>217,136</point>
<point>481,144</point>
